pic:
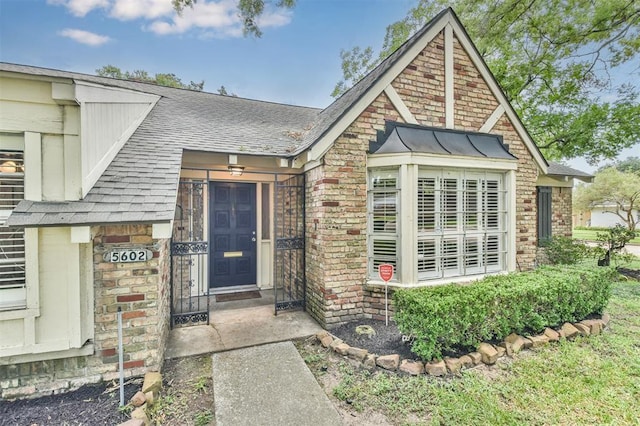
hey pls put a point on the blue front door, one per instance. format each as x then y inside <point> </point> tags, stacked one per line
<point>232,210</point>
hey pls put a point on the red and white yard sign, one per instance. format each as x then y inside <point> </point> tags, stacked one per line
<point>386,273</point>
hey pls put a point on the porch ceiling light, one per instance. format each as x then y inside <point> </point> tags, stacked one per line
<point>236,170</point>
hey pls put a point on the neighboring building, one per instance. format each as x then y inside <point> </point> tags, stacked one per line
<point>604,216</point>
<point>125,195</point>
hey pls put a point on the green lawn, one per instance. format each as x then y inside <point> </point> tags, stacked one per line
<point>591,235</point>
<point>594,380</point>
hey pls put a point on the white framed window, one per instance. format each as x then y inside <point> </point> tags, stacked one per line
<point>460,226</point>
<point>462,223</point>
<point>383,217</point>
<point>12,246</point>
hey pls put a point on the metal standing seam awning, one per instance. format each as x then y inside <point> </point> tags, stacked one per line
<point>400,137</point>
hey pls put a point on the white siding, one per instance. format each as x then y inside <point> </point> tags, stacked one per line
<point>605,219</point>
<point>65,313</point>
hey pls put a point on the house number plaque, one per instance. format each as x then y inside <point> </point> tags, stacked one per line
<point>128,255</point>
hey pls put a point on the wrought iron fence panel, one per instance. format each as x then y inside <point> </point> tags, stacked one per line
<point>189,253</point>
<point>289,262</point>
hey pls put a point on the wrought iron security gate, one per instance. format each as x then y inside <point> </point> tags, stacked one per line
<point>189,253</point>
<point>190,248</point>
<point>289,263</point>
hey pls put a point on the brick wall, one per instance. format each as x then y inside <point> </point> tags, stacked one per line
<point>336,220</point>
<point>141,289</point>
<point>561,200</point>
<point>336,191</point>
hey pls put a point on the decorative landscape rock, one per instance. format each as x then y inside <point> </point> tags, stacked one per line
<point>139,398</point>
<point>551,334</point>
<point>436,368</point>
<point>152,382</point>
<point>326,341</point>
<point>508,349</point>
<point>501,351</point>
<point>150,399</point>
<point>388,362</point>
<point>140,413</point>
<point>539,341</point>
<point>569,330</point>
<point>488,353</point>
<point>369,362</point>
<point>454,365</point>
<point>475,357</point>
<point>466,361</point>
<point>342,348</point>
<point>357,353</point>
<point>595,326</point>
<point>583,329</point>
<point>415,368</point>
<point>365,330</point>
<point>516,341</point>
<point>335,343</point>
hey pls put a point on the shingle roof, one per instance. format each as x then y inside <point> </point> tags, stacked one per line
<point>140,184</point>
<point>558,169</point>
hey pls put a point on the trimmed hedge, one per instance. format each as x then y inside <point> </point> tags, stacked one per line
<point>452,317</point>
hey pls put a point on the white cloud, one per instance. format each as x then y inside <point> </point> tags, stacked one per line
<point>125,10</point>
<point>209,18</point>
<point>278,18</point>
<point>84,37</point>
<point>80,7</point>
<point>216,19</point>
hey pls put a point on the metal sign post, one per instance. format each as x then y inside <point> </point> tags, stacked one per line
<point>386,273</point>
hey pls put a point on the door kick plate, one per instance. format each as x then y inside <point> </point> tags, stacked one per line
<point>232,254</point>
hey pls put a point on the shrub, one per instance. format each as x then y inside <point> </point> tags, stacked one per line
<point>565,251</point>
<point>451,317</point>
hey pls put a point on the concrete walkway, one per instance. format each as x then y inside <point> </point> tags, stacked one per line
<point>268,385</point>
<point>240,328</point>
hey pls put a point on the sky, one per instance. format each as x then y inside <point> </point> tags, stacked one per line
<point>296,61</point>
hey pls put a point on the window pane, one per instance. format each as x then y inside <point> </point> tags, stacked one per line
<point>471,252</point>
<point>426,256</point>
<point>471,215</point>
<point>492,205</point>
<point>12,263</point>
<point>426,204</point>
<point>266,212</point>
<point>449,254</point>
<point>384,212</point>
<point>384,251</point>
<point>383,219</point>
<point>492,250</point>
<point>449,204</point>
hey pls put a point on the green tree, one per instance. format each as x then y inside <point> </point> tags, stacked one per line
<point>630,164</point>
<point>618,192</point>
<point>249,12</point>
<point>169,80</point>
<point>553,59</point>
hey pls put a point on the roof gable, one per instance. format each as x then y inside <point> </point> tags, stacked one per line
<point>336,118</point>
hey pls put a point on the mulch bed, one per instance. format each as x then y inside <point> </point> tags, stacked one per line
<point>95,404</point>
<point>631,273</point>
<point>386,341</point>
